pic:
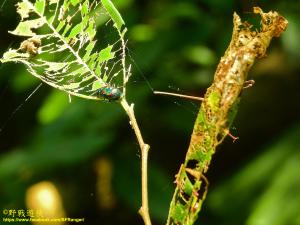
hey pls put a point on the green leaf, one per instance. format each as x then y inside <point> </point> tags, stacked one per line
<point>75,30</point>
<point>25,28</point>
<point>85,8</point>
<point>106,54</point>
<point>179,213</point>
<point>114,14</point>
<point>40,6</point>
<point>75,2</point>
<point>11,54</point>
<point>60,49</point>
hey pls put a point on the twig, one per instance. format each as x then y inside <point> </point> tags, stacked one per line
<point>218,110</point>
<point>144,210</point>
<point>178,95</point>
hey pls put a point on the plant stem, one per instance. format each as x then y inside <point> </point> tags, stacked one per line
<point>217,112</point>
<point>144,210</point>
<point>178,95</point>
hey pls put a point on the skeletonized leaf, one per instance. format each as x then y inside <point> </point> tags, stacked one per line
<point>114,13</point>
<point>61,47</point>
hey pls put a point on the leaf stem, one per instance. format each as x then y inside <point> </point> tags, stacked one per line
<point>144,210</point>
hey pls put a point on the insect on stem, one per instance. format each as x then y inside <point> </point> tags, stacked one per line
<point>178,95</point>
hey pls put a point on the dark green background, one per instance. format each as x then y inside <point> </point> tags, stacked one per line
<point>175,46</point>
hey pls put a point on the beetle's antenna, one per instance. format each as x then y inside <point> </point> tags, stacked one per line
<point>178,95</point>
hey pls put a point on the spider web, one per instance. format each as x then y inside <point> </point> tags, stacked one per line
<point>60,48</point>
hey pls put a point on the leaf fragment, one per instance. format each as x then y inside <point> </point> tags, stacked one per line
<point>114,14</point>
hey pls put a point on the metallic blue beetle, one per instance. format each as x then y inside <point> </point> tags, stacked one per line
<point>110,93</point>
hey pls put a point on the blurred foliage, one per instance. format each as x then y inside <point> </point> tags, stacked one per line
<point>267,188</point>
<point>174,46</point>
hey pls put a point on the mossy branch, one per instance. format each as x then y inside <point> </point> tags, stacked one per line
<point>218,111</point>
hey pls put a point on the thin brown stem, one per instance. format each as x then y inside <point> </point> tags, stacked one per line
<point>178,95</point>
<point>144,210</point>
